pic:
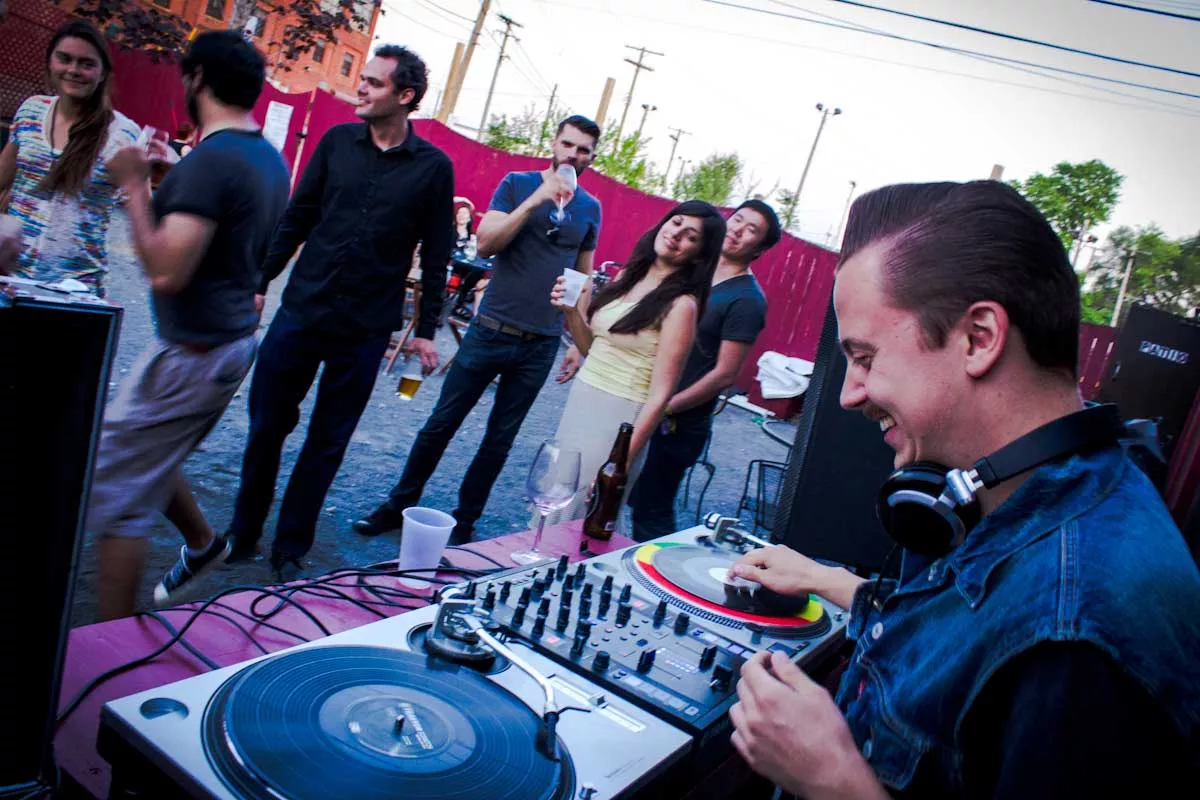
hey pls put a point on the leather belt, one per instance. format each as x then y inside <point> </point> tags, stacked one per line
<point>497,325</point>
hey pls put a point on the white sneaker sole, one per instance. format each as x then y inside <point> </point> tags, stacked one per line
<point>162,596</point>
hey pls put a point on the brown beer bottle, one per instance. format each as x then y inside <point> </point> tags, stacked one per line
<point>601,519</point>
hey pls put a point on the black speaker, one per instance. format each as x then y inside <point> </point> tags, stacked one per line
<point>837,465</point>
<point>1154,371</point>
<point>56,353</point>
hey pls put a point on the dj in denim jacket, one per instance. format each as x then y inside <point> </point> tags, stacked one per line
<point>1056,650</point>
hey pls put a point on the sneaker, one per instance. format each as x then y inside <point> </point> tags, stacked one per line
<point>381,520</point>
<point>286,569</point>
<point>187,569</point>
<point>241,550</point>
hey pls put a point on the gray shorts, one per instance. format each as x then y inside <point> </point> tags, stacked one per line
<point>165,406</point>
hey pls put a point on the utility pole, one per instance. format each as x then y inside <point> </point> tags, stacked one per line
<point>1116,317</point>
<point>605,98</point>
<point>509,22</point>
<point>674,143</point>
<point>546,121</point>
<point>638,66</point>
<point>453,90</point>
<point>646,109</point>
<point>845,211</point>
<point>826,113</point>
<point>455,68</point>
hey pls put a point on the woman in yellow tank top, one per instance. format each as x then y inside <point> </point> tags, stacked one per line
<point>637,333</point>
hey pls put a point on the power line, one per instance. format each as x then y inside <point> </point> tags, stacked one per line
<point>443,14</point>
<point>1013,37</point>
<point>468,20</point>
<point>391,9</point>
<point>950,49</point>
<point>1146,10</point>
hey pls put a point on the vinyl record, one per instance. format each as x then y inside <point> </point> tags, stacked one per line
<point>369,722</point>
<point>694,579</point>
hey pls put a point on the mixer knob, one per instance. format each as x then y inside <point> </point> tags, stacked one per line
<point>544,607</point>
<point>645,660</point>
<point>568,582</point>
<point>583,628</point>
<point>660,613</point>
<point>585,606</point>
<point>539,626</point>
<point>564,616</point>
<point>624,610</point>
<point>523,600</point>
<point>518,617</point>
<point>708,656</point>
<point>505,591</point>
<point>489,599</point>
<point>561,569</point>
<point>536,589</point>
<point>470,593</point>
<point>587,792</point>
<point>567,597</point>
<point>580,574</point>
<point>586,591</point>
<point>682,621</point>
<point>721,676</point>
<point>626,594</point>
<point>605,602</point>
<point>608,584</point>
<point>600,662</point>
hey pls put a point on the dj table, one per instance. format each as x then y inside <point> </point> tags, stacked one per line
<point>462,699</point>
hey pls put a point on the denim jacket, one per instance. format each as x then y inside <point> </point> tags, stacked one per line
<point>1083,551</point>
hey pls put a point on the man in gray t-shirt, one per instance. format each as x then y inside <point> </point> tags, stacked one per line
<point>516,333</point>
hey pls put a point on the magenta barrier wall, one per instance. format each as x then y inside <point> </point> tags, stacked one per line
<point>148,93</point>
<point>299,102</point>
<point>326,112</point>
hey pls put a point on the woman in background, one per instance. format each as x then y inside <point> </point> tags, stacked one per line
<point>464,223</point>
<point>54,163</point>
<point>637,332</point>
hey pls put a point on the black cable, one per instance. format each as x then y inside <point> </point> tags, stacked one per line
<point>171,631</point>
<point>157,615</point>
<point>444,11</point>
<point>948,48</point>
<point>1148,10</point>
<point>1015,38</point>
<point>478,554</point>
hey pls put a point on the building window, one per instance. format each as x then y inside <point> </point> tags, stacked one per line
<point>260,23</point>
<point>163,3</point>
<point>347,64</point>
<point>319,51</point>
<point>215,9</point>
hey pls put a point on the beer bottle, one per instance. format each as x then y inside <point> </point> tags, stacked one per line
<point>601,519</point>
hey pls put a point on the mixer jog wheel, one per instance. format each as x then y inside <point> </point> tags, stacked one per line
<point>694,578</point>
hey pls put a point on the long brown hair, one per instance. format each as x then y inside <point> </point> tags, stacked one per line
<point>694,277</point>
<point>86,137</point>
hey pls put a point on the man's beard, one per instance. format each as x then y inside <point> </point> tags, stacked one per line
<point>193,108</point>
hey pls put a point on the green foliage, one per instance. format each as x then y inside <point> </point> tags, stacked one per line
<point>528,133</point>
<point>627,163</point>
<point>1165,274</point>
<point>1074,198</point>
<point>712,180</point>
<point>785,205</point>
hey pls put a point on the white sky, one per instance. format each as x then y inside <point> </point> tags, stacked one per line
<point>748,82</point>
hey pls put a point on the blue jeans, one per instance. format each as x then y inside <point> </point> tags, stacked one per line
<point>523,366</point>
<point>287,364</point>
<point>668,459</point>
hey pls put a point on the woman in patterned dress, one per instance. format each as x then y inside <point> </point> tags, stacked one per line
<point>53,168</point>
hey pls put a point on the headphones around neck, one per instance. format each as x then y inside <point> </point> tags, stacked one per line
<point>929,509</point>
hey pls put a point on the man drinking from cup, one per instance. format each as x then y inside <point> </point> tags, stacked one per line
<point>516,333</point>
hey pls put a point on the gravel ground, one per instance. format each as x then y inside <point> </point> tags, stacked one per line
<point>373,461</point>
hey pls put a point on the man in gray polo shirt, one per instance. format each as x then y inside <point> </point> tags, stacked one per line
<point>516,333</point>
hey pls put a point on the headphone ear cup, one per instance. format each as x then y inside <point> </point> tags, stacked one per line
<point>908,510</point>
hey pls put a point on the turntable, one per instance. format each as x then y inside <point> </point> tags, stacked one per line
<point>366,714</point>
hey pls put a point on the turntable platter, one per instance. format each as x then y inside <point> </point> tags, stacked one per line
<point>370,722</point>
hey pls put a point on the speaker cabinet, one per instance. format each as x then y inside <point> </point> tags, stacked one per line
<point>56,354</point>
<point>838,463</point>
<point>1154,371</point>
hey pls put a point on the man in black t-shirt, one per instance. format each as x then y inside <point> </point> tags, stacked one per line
<point>201,241</point>
<point>735,315</point>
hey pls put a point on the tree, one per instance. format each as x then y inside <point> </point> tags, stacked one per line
<point>313,21</point>
<point>528,133</point>
<point>712,180</point>
<point>1074,198</point>
<point>786,205</point>
<point>628,163</point>
<point>129,24</point>
<point>1164,274</point>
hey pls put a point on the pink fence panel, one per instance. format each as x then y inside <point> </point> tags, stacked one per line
<point>1095,346</point>
<point>147,92</point>
<point>326,111</point>
<point>298,102</point>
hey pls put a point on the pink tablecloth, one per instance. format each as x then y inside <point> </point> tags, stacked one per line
<point>94,649</point>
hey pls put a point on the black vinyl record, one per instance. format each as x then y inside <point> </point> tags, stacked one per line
<point>369,722</point>
<point>701,571</point>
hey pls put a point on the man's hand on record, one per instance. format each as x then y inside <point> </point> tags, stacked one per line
<point>427,352</point>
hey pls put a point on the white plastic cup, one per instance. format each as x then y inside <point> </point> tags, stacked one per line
<point>423,538</point>
<point>575,281</point>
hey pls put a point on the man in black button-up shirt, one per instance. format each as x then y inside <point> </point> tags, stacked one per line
<point>371,193</point>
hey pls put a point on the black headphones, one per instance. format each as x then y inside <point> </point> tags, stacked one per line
<point>929,509</point>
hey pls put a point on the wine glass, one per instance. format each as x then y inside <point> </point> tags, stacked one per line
<point>552,483</point>
<point>567,173</point>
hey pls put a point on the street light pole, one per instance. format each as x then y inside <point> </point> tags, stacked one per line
<point>1124,285</point>
<point>646,109</point>
<point>845,212</point>
<point>826,113</point>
